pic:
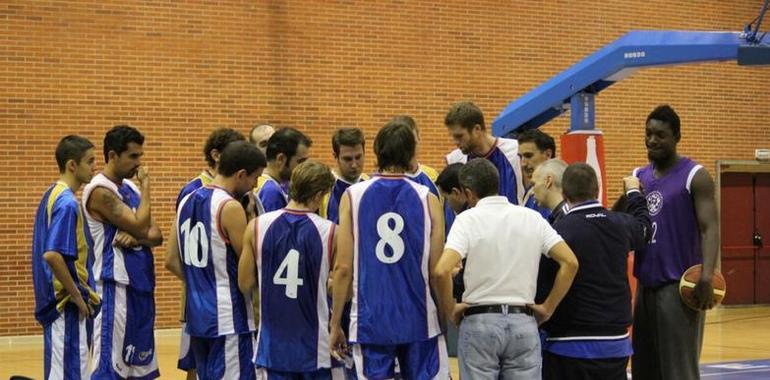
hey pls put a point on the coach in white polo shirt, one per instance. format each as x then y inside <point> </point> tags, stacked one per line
<point>502,244</point>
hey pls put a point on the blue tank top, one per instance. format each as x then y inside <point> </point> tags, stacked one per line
<point>676,242</point>
<point>505,156</point>
<point>215,306</point>
<point>292,255</point>
<point>132,267</point>
<point>392,303</point>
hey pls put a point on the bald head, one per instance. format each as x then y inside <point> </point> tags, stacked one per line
<point>259,136</point>
<point>546,182</point>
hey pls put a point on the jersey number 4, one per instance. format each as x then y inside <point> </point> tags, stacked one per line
<point>194,239</point>
<point>288,274</point>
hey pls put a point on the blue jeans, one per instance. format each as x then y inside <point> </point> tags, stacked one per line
<point>499,346</point>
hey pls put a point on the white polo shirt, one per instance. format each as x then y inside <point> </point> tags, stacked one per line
<point>502,244</point>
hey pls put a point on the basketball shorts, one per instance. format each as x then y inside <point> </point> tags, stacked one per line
<point>186,360</point>
<point>419,361</point>
<point>65,346</point>
<point>321,374</point>
<point>124,344</point>
<point>224,357</point>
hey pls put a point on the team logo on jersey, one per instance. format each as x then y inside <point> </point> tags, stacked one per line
<point>654,202</point>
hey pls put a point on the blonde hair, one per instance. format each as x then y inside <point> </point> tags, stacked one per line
<point>308,179</point>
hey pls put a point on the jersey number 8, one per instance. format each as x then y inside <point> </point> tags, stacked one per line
<point>389,237</point>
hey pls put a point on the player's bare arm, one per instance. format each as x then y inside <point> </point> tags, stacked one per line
<point>106,207</point>
<point>437,230</point>
<point>343,276</point>
<point>233,223</point>
<point>441,280</point>
<point>173,258</point>
<point>247,267</point>
<point>708,223</point>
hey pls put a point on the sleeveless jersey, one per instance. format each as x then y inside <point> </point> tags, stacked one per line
<point>392,302</point>
<point>676,242</point>
<point>292,253</point>
<point>330,208</point>
<point>132,267</point>
<point>505,156</point>
<point>196,183</point>
<point>215,306</point>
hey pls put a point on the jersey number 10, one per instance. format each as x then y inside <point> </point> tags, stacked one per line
<point>193,239</point>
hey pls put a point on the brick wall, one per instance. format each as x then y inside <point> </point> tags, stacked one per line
<point>176,70</point>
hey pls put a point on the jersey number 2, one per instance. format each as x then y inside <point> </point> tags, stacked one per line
<point>288,274</point>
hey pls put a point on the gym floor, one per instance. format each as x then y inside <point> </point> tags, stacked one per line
<point>736,346</point>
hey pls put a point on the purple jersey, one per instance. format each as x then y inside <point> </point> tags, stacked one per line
<point>676,242</point>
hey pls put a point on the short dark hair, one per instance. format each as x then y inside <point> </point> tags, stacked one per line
<point>450,177</point>
<point>347,137</point>
<point>286,141</point>
<point>218,139</point>
<point>308,179</point>
<point>394,146</point>
<point>542,140</point>
<point>579,183</point>
<point>71,147</point>
<point>480,176</point>
<point>118,138</point>
<point>240,155</point>
<point>406,119</point>
<point>466,114</point>
<point>665,114</point>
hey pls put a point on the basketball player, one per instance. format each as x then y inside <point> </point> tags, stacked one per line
<point>349,147</point>
<point>391,234</point>
<point>685,232</point>
<point>259,136</point>
<point>452,194</point>
<point>212,150</point>
<point>535,147</point>
<point>422,174</point>
<point>61,262</point>
<point>286,149</point>
<point>203,252</point>
<point>123,232</point>
<point>288,253</point>
<point>465,123</point>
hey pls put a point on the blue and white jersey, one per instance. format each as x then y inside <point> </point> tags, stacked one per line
<point>132,267</point>
<point>59,228</point>
<point>271,194</point>
<point>505,156</point>
<point>330,207</point>
<point>392,302</point>
<point>292,252</point>
<point>426,176</point>
<point>215,305</point>
<point>196,183</point>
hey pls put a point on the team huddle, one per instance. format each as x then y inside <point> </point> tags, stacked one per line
<point>293,270</point>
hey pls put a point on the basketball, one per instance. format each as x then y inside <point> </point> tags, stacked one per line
<point>691,277</point>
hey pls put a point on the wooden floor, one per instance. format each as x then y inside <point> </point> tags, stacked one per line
<point>731,334</point>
